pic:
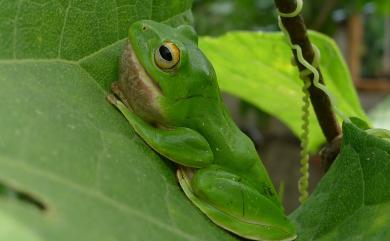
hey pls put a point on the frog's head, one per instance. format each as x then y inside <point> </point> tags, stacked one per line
<point>168,74</point>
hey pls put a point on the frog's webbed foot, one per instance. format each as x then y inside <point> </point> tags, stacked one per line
<point>235,205</point>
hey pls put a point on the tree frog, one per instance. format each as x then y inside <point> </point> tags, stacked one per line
<point>169,94</point>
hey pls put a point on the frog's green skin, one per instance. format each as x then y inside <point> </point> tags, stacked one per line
<point>179,112</point>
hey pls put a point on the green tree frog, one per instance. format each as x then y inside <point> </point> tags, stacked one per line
<point>169,94</point>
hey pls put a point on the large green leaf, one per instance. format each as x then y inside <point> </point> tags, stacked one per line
<point>256,67</point>
<point>63,146</point>
<point>352,202</point>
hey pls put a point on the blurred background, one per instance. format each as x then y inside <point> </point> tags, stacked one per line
<point>360,28</point>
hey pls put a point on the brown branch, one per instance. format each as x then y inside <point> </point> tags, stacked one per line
<point>296,28</point>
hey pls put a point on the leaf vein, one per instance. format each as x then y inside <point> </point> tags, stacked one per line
<point>15,30</point>
<point>63,29</point>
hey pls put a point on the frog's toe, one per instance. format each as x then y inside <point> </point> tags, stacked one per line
<point>112,99</point>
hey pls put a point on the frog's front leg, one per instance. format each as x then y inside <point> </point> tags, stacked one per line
<point>235,205</point>
<point>179,144</point>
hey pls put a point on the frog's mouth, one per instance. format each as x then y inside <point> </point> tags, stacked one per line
<point>138,88</point>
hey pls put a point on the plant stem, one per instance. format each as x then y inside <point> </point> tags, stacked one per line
<point>296,29</point>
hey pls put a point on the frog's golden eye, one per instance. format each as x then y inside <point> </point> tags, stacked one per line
<point>167,56</point>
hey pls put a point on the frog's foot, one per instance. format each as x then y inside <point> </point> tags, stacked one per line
<point>112,99</point>
<point>116,89</point>
<point>235,205</point>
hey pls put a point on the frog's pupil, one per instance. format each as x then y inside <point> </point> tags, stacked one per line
<point>165,53</point>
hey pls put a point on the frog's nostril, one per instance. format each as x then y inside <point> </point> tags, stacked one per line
<point>144,28</point>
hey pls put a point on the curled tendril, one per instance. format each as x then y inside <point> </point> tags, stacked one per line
<point>310,69</point>
<point>297,11</point>
<point>304,170</point>
<point>303,182</point>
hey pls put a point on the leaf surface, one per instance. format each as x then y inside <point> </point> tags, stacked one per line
<point>62,145</point>
<point>352,202</point>
<point>256,68</point>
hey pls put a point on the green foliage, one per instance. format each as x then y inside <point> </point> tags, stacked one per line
<point>256,68</point>
<point>361,124</point>
<point>383,6</point>
<point>352,200</point>
<point>63,144</point>
<point>215,17</point>
<point>66,148</point>
<point>74,29</point>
